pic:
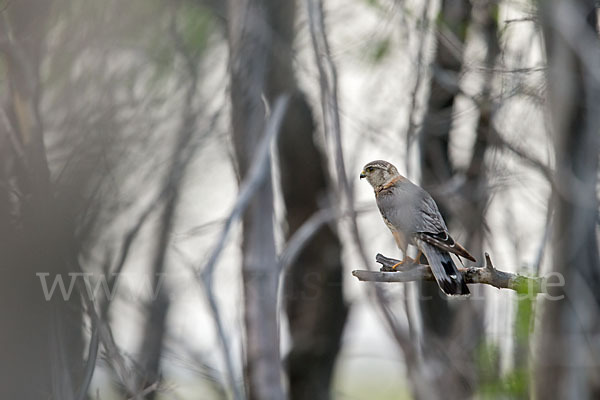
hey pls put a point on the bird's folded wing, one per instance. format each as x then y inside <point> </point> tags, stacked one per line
<point>444,241</point>
<point>433,230</point>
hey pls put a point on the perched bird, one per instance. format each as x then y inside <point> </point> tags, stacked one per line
<point>413,217</point>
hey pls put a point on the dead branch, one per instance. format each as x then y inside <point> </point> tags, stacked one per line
<point>487,275</point>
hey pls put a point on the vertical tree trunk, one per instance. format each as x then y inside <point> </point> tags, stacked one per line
<point>436,167</point>
<point>251,40</point>
<point>42,343</point>
<point>450,333</point>
<point>475,192</point>
<point>568,354</point>
<point>313,285</point>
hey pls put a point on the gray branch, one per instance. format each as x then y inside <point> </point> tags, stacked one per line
<point>255,177</point>
<point>487,275</point>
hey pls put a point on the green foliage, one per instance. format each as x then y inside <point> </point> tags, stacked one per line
<point>190,33</point>
<point>380,50</point>
<point>196,25</point>
<point>156,30</point>
<point>488,365</point>
<point>524,315</point>
<point>515,383</point>
<point>493,385</point>
<point>374,3</point>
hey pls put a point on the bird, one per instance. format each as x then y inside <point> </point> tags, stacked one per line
<point>413,217</point>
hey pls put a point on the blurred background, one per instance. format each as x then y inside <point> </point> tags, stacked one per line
<point>181,211</point>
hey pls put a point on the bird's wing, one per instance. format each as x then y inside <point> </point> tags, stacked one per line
<point>413,212</point>
<point>432,229</point>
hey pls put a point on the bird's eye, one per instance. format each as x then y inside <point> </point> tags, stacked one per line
<point>369,169</point>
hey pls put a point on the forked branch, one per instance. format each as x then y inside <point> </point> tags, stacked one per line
<point>487,275</point>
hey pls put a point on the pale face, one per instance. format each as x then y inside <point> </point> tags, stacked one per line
<point>378,173</point>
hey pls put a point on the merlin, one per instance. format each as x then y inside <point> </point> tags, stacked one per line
<point>414,218</point>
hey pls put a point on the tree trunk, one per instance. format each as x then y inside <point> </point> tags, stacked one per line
<point>251,41</point>
<point>313,290</point>
<point>313,285</point>
<point>42,342</point>
<point>449,333</point>
<point>567,357</point>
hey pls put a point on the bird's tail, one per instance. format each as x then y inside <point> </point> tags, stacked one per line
<point>449,279</point>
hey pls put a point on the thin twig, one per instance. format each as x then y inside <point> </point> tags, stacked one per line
<point>147,390</point>
<point>525,19</point>
<point>303,235</point>
<point>90,365</point>
<point>13,137</point>
<point>256,175</point>
<point>412,125</point>
<point>545,170</point>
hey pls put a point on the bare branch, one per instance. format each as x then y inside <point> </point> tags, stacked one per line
<point>90,365</point>
<point>487,275</point>
<point>256,175</point>
<point>542,168</point>
<point>13,137</point>
<point>303,235</point>
<point>412,124</point>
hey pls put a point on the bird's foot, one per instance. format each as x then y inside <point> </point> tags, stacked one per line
<point>394,268</point>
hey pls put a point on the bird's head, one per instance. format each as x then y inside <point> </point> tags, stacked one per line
<point>379,172</point>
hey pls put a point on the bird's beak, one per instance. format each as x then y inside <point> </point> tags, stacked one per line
<point>363,175</point>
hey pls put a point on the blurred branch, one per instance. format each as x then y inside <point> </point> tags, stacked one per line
<point>412,125</point>
<point>497,139</point>
<point>125,374</point>
<point>90,365</point>
<point>22,61</point>
<point>525,19</point>
<point>328,87</point>
<point>251,184</point>
<point>487,275</point>
<point>13,137</point>
<point>331,116</point>
<point>307,231</point>
<point>542,168</point>
<point>152,388</point>
<point>303,235</point>
<point>256,175</point>
<point>126,245</point>
<point>155,326</point>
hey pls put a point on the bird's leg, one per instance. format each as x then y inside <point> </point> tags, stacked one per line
<point>405,259</point>
<point>418,257</point>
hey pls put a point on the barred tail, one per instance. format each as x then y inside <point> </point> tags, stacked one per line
<point>445,272</point>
